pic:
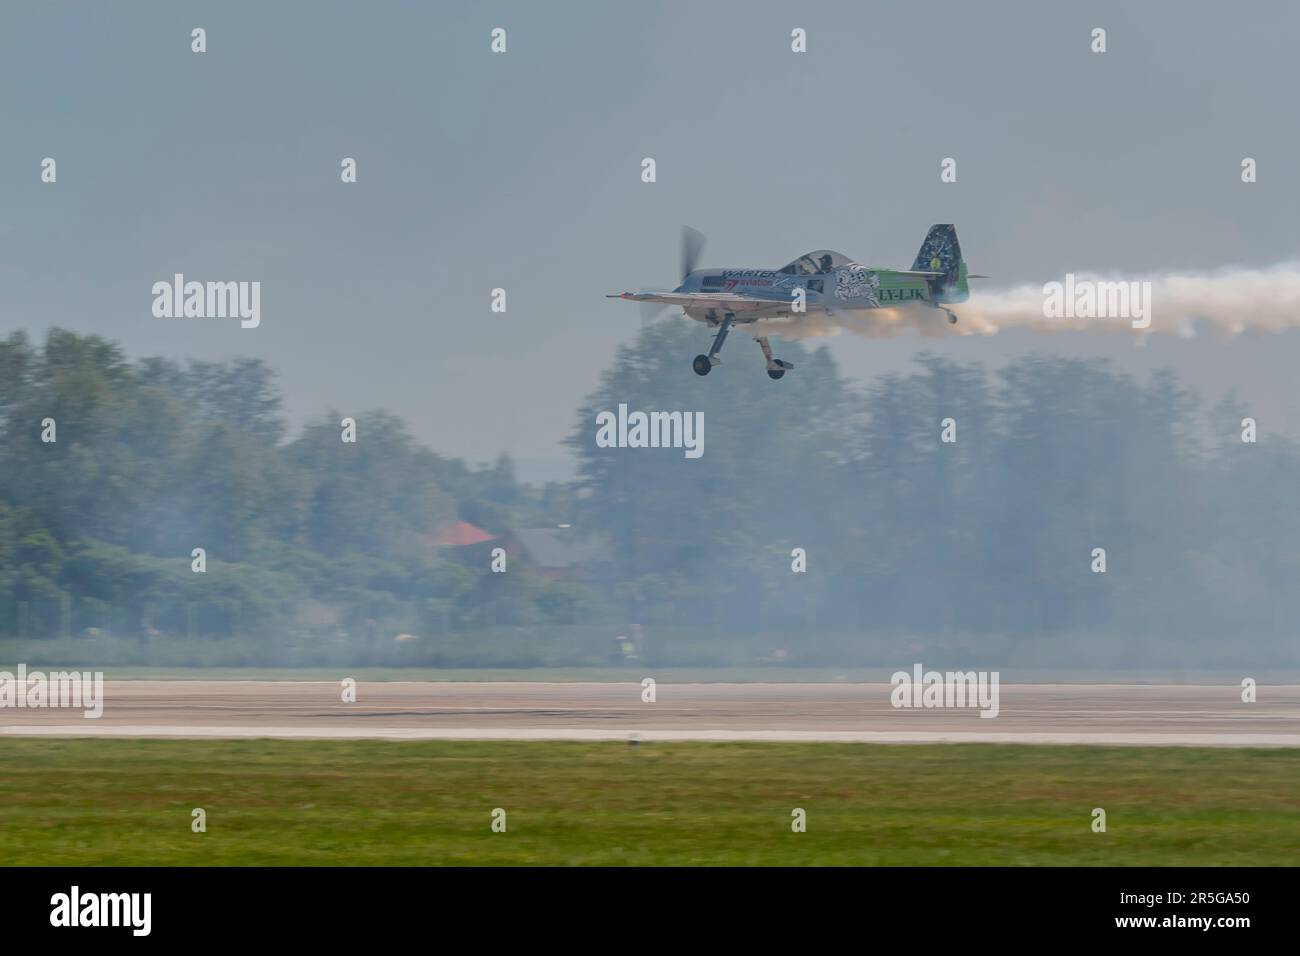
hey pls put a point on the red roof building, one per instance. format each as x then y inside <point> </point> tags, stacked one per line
<point>460,535</point>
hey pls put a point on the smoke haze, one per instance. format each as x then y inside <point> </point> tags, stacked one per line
<point>1228,301</point>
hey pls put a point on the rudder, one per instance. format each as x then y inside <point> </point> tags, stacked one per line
<point>941,252</point>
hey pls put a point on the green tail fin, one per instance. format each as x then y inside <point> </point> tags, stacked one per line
<point>941,252</point>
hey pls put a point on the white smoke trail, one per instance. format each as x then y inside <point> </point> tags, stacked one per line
<point>1230,301</point>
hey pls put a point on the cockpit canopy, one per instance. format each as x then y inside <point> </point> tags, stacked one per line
<point>816,263</point>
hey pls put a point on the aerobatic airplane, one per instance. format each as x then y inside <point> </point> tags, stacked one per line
<point>823,282</point>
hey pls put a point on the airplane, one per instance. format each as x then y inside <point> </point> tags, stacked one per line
<point>831,283</point>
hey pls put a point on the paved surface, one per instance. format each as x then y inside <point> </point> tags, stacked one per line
<point>1029,713</point>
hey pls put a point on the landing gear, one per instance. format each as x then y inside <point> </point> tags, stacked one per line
<point>952,316</point>
<point>775,367</point>
<point>703,364</point>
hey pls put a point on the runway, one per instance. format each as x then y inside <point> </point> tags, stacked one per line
<point>1123,714</point>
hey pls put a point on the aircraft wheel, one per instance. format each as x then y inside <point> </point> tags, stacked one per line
<point>952,318</point>
<point>775,373</point>
<point>702,365</point>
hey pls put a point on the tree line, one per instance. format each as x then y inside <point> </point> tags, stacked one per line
<point>982,546</point>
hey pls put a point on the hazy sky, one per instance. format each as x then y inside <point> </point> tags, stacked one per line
<point>522,170</point>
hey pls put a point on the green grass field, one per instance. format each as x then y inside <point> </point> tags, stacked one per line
<point>129,802</point>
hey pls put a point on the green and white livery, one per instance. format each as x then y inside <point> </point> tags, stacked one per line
<point>821,282</point>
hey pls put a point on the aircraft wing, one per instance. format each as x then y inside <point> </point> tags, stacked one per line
<point>723,301</point>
